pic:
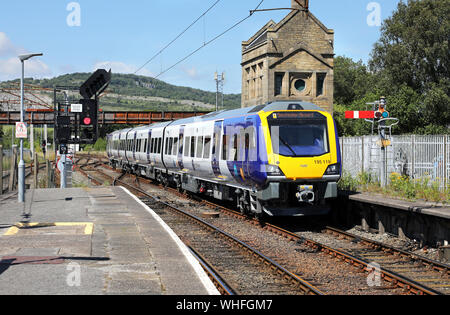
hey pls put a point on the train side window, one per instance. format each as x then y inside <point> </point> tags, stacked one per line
<point>225,147</point>
<point>159,145</point>
<point>175,146</point>
<point>166,148</point>
<point>234,148</point>
<point>187,141</point>
<point>199,147</point>
<point>180,145</point>
<point>145,145</point>
<point>193,147</point>
<point>207,148</point>
<point>170,146</point>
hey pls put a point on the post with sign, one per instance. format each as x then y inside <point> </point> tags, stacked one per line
<point>76,122</point>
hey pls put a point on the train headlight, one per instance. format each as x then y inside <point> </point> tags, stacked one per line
<point>334,169</point>
<point>273,170</point>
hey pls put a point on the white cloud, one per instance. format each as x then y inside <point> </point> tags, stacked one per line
<point>192,73</point>
<point>120,67</point>
<point>10,67</point>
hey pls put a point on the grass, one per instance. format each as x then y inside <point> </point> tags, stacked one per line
<point>403,187</point>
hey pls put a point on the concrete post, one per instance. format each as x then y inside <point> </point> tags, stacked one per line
<point>12,171</point>
<point>63,172</point>
<point>32,139</point>
<point>36,171</point>
<point>47,169</point>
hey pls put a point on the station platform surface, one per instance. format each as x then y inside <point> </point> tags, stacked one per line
<point>92,241</point>
<point>419,207</point>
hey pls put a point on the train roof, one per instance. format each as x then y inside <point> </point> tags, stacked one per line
<point>272,106</point>
<point>225,114</point>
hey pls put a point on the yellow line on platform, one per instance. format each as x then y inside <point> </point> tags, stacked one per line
<point>88,230</point>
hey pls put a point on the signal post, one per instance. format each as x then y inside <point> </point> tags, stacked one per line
<point>379,115</point>
<point>77,123</point>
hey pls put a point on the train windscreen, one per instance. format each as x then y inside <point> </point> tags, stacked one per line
<point>299,134</point>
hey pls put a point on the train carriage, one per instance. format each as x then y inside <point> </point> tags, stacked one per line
<point>278,159</point>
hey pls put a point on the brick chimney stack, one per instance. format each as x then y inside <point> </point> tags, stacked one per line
<point>300,4</point>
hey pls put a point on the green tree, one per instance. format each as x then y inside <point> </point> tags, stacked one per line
<point>412,58</point>
<point>352,80</point>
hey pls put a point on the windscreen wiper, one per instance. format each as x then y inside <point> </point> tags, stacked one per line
<point>287,145</point>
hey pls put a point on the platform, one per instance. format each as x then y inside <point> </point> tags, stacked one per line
<point>92,241</point>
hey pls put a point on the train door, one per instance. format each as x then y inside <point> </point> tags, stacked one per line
<point>250,148</point>
<point>181,142</point>
<point>149,145</point>
<point>217,136</point>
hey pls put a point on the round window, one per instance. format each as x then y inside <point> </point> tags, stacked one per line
<point>300,85</point>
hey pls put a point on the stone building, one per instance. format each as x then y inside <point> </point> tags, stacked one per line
<point>289,60</point>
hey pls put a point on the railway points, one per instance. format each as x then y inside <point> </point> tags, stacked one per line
<point>77,241</point>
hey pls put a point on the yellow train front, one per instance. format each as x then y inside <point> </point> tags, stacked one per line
<point>301,160</point>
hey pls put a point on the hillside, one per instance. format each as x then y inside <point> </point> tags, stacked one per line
<point>129,92</point>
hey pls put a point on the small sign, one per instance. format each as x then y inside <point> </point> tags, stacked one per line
<point>76,108</point>
<point>68,164</point>
<point>21,130</point>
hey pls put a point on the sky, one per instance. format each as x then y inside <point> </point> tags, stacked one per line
<point>84,35</point>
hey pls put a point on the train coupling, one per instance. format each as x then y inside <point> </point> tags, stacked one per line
<point>306,193</point>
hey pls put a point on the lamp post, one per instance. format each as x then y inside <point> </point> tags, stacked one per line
<point>21,174</point>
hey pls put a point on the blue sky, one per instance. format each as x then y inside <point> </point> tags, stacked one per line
<point>123,35</point>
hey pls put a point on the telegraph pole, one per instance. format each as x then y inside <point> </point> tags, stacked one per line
<point>220,81</point>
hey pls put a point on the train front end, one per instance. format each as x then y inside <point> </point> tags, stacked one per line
<point>303,162</point>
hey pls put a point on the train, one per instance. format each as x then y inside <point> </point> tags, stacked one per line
<point>278,159</point>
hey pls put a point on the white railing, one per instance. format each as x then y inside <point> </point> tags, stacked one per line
<point>413,155</point>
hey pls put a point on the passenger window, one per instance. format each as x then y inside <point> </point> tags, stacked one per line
<point>187,141</point>
<point>159,145</point>
<point>180,142</point>
<point>193,147</point>
<point>199,147</point>
<point>207,147</point>
<point>145,145</point>
<point>170,146</point>
<point>234,149</point>
<point>224,147</point>
<point>175,146</point>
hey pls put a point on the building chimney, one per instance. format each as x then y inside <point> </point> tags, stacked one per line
<point>300,4</point>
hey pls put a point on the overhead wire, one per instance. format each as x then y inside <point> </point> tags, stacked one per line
<point>177,37</point>
<point>210,41</point>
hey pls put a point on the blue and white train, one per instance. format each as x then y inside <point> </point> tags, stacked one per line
<point>277,159</point>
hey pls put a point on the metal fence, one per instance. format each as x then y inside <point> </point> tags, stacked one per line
<point>415,156</point>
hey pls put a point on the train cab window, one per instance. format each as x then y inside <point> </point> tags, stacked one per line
<point>199,147</point>
<point>187,142</point>
<point>207,148</point>
<point>312,142</point>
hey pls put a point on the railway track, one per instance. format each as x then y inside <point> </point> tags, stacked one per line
<point>402,272</point>
<point>229,261</point>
